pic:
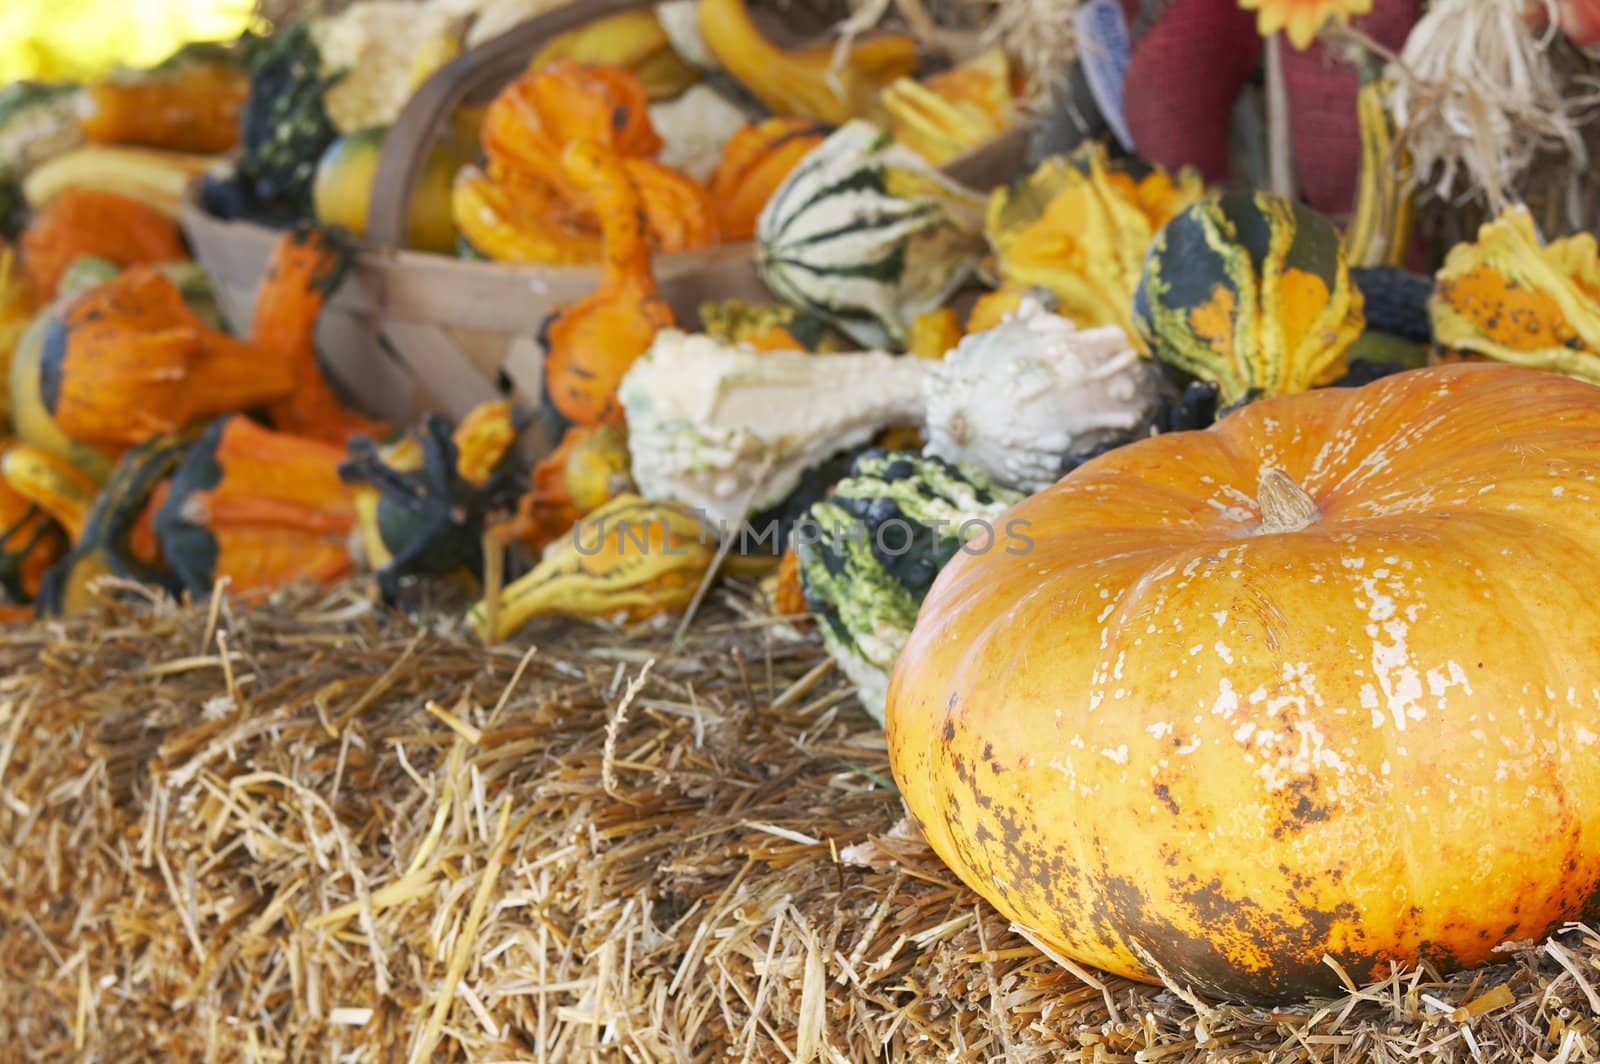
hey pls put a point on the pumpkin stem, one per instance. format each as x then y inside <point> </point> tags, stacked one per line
<point>1285,506</point>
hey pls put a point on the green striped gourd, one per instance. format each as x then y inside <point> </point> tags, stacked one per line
<point>865,234</point>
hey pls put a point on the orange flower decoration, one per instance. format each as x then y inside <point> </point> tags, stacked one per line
<point>1302,20</point>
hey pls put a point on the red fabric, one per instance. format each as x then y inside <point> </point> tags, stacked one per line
<point>1183,77</point>
<point>1188,67</point>
<point>1322,109</point>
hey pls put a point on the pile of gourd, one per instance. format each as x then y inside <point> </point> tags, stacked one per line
<point>715,115</point>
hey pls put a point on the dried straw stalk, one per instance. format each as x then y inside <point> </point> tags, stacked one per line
<point>382,843</point>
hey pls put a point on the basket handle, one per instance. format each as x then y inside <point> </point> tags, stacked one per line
<point>491,64</point>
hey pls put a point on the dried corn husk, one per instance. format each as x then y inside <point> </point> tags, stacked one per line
<point>1480,95</point>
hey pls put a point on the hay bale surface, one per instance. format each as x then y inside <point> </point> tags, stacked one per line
<point>299,832</point>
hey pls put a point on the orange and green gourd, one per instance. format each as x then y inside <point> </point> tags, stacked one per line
<point>1253,292</point>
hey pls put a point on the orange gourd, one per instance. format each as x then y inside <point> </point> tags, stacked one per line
<point>79,221</point>
<point>754,162</point>
<point>590,344</point>
<point>129,360</point>
<point>679,212</point>
<point>534,202</point>
<point>1318,681</point>
<point>307,264</point>
<point>195,108</point>
<point>534,117</point>
<point>257,507</point>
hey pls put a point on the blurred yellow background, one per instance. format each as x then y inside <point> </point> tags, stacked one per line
<point>74,39</point>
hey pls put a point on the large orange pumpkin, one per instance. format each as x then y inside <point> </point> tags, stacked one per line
<point>1321,680</point>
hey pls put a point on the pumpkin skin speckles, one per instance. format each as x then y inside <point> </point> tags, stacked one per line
<point>1219,752</point>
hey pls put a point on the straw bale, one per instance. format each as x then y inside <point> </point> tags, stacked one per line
<point>304,832</point>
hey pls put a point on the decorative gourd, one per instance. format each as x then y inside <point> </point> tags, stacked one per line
<point>156,178</point>
<point>696,127</point>
<point>525,132</point>
<point>1079,226</point>
<point>788,593</point>
<point>1267,694</point>
<point>866,234</point>
<point>586,470</point>
<point>869,552</point>
<point>188,105</point>
<point>110,544</point>
<point>19,302</point>
<point>31,418</point>
<point>54,485</point>
<point>755,161</point>
<point>730,430</point>
<point>679,212</point>
<point>285,127</point>
<point>342,188</point>
<point>535,117</point>
<point>1012,401</point>
<point>633,40</point>
<point>38,120</point>
<point>1253,291</point>
<point>1516,299</point>
<point>590,344</point>
<point>382,51</point>
<point>630,559</point>
<point>953,111</point>
<point>518,224</point>
<point>769,327</point>
<point>934,333</point>
<point>804,81</point>
<point>1395,301</point>
<point>426,500</point>
<point>80,221</point>
<point>304,269</point>
<point>129,360</point>
<point>29,542</point>
<point>255,507</point>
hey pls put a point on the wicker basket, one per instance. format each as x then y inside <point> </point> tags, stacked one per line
<point>410,332</point>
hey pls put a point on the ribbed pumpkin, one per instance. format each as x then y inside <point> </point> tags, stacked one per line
<point>1280,689</point>
<point>1250,290</point>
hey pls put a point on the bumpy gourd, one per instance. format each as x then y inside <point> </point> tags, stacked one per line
<point>1514,298</point>
<point>1252,291</point>
<point>869,552</point>
<point>865,233</point>
<point>730,430</point>
<point>1013,400</point>
<point>953,111</point>
<point>1080,226</point>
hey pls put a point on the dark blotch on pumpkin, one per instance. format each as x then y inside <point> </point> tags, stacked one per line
<point>1165,796</point>
<point>1202,955</point>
